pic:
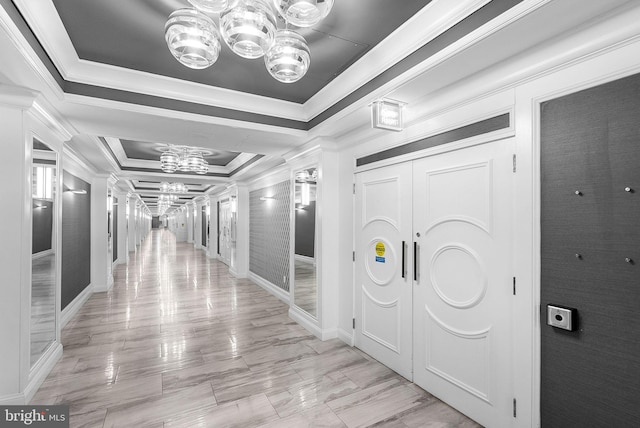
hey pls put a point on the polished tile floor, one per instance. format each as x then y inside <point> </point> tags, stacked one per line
<point>178,342</point>
<point>43,305</point>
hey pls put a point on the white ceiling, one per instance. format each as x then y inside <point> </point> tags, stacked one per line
<point>277,127</point>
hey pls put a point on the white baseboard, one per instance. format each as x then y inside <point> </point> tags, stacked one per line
<point>42,254</point>
<point>75,305</point>
<point>12,400</point>
<point>311,324</point>
<point>40,372</point>
<point>305,259</point>
<point>270,287</point>
<point>110,281</point>
<point>236,274</point>
<point>347,337</point>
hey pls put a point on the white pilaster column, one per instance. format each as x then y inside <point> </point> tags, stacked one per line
<point>189,221</point>
<point>240,258</point>
<point>15,250</point>
<point>328,232</point>
<point>100,263</point>
<point>121,227</point>
<point>131,223</point>
<point>197,225</point>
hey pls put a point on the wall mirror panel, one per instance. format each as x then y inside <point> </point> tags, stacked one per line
<point>43,249</point>
<point>305,251</point>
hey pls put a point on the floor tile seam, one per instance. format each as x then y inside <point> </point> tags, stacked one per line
<point>370,394</point>
<point>67,376</point>
<point>54,402</point>
<point>297,410</point>
<point>426,403</point>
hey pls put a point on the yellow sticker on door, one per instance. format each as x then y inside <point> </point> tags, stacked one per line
<point>380,252</point>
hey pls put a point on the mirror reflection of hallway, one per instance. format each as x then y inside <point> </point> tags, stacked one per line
<point>43,257</point>
<point>305,282</point>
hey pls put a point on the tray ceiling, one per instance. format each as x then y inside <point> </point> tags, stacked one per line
<point>131,35</point>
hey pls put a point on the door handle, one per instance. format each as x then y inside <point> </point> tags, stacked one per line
<point>415,264</point>
<point>403,263</point>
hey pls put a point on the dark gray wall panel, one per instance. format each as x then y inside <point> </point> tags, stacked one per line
<point>115,229</point>
<point>472,130</point>
<point>76,238</point>
<point>42,225</point>
<point>155,222</point>
<point>269,223</point>
<point>590,143</point>
<point>305,230</point>
<point>204,228</point>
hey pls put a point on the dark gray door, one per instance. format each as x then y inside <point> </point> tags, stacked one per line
<point>114,232</point>
<point>590,253</point>
<point>205,224</point>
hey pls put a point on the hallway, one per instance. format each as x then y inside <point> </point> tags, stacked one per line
<point>180,342</point>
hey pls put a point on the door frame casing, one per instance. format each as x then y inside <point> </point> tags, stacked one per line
<point>611,64</point>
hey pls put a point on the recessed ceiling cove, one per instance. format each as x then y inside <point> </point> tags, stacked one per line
<point>144,150</point>
<point>131,35</point>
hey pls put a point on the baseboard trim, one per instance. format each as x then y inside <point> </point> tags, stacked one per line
<point>305,259</point>
<point>75,305</point>
<point>102,288</point>
<point>311,324</point>
<point>42,254</point>
<point>110,281</point>
<point>270,287</point>
<point>12,400</point>
<point>346,337</point>
<point>42,370</point>
<point>304,320</point>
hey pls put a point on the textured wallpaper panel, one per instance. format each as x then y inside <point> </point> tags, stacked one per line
<point>76,238</point>
<point>269,234</point>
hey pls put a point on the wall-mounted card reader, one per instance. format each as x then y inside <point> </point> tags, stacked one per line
<point>562,317</point>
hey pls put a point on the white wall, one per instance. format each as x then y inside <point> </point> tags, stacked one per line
<point>595,54</point>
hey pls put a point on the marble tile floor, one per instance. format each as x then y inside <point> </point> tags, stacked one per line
<point>179,342</point>
<point>43,305</point>
<point>306,292</point>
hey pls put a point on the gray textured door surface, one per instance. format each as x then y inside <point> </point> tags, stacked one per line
<point>204,234</point>
<point>590,254</point>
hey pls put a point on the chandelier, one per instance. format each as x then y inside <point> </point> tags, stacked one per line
<point>185,159</point>
<point>173,188</point>
<point>249,29</point>
<point>165,201</point>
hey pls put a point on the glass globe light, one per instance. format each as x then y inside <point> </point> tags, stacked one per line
<point>303,13</point>
<point>213,6</point>
<point>169,161</point>
<point>183,163</point>
<point>192,38</point>
<point>197,163</point>
<point>289,58</point>
<point>249,28</point>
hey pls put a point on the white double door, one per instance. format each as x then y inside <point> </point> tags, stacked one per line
<point>433,297</point>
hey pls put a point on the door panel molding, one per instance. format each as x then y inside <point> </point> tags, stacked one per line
<point>392,306</point>
<point>476,297</point>
<point>480,337</point>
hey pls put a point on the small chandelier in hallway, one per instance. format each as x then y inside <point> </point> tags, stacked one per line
<point>184,159</point>
<point>173,188</point>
